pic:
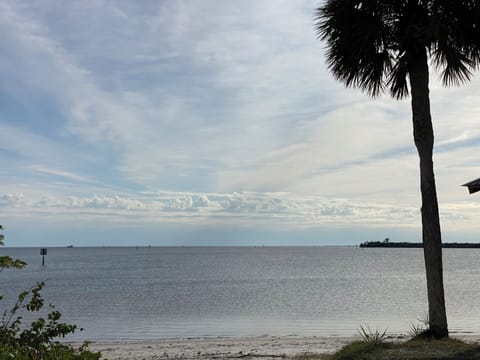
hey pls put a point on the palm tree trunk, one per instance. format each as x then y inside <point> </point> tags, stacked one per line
<point>432,242</point>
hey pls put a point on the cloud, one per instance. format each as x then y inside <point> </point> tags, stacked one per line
<point>219,110</point>
<point>248,208</point>
<point>12,200</point>
<point>60,173</point>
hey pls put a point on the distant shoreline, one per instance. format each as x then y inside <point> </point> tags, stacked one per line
<point>383,244</point>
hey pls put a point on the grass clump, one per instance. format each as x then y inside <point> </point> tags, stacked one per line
<point>357,350</point>
<point>372,337</point>
<point>421,330</point>
<point>374,346</point>
<point>416,349</point>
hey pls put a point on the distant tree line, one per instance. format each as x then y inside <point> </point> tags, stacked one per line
<point>388,244</point>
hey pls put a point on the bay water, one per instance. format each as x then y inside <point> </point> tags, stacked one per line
<point>130,293</point>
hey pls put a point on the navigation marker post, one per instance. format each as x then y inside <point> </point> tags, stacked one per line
<point>43,252</point>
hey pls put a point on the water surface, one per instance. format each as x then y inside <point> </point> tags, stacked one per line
<point>169,292</point>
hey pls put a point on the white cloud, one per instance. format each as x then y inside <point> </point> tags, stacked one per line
<point>215,99</point>
<point>60,173</point>
<point>12,200</point>
<point>274,209</point>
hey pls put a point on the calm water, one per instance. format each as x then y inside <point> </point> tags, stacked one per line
<point>151,293</point>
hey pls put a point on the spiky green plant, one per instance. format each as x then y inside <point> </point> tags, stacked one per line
<point>370,336</point>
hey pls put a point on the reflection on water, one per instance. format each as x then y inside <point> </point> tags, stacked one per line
<point>150,293</point>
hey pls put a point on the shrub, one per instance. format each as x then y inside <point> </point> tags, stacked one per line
<point>38,341</point>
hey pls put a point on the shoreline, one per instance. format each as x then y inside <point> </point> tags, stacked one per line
<point>267,347</point>
<point>413,245</point>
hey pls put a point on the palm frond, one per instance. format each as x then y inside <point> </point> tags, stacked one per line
<point>371,44</point>
<point>397,81</point>
<point>455,63</point>
<point>356,38</point>
<point>455,38</point>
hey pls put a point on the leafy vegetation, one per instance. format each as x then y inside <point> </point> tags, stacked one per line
<point>6,262</point>
<point>39,339</point>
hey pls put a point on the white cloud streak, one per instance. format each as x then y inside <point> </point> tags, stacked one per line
<point>226,107</point>
<point>250,209</point>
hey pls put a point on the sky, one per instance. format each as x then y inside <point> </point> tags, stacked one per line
<point>210,123</point>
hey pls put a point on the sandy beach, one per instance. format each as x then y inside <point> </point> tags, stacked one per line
<point>231,348</point>
<point>220,348</point>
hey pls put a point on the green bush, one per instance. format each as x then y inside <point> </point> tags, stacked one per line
<point>37,341</point>
<point>56,352</point>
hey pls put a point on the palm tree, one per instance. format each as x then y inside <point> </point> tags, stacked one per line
<point>386,45</point>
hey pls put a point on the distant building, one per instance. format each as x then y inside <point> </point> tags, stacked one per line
<point>473,186</point>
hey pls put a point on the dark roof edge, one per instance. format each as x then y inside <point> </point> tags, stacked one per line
<point>473,182</point>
